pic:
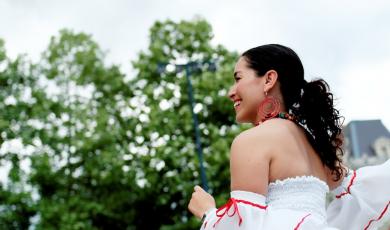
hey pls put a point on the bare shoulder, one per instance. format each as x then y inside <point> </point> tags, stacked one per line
<point>263,138</point>
<point>257,138</point>
<point>278,127</point>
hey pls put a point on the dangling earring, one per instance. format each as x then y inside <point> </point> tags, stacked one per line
<point>269,108</point>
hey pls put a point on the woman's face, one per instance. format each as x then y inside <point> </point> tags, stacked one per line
<point>247,92</point>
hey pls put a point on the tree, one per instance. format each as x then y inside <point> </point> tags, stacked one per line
<point>72,122</point>
<point>165,131</point>
<point>103,152</point>
<point>83,178</point>
<point>16,203</point>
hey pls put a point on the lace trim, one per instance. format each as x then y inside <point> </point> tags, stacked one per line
<point>303,178</point>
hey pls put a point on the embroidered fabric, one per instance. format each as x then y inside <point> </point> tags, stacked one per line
<point>361,202</point>
<point>299,202</point>
<point>302,193</point>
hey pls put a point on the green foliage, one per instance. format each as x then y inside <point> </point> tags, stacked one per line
<point>172,184</point>
<point>16,203</point>
<point>106,153</point>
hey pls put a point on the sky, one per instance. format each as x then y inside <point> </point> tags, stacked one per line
<point>345,42</point>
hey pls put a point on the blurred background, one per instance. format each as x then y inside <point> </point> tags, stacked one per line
<point>111,111</point>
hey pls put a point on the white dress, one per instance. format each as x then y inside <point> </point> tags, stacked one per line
<point>361,202</point>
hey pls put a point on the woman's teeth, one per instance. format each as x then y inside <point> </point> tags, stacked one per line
<point>237,103</point>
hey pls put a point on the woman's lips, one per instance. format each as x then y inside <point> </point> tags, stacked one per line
<point>237,103</point>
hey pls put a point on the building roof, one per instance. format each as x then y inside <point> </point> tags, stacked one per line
<point>362,134</point>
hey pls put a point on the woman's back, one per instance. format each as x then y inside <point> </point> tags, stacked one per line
<point>275,150</point>
<point>293,155</point>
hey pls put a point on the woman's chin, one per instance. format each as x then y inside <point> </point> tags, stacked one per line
<point>241,120</point>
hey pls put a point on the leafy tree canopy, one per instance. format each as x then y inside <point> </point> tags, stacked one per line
<point>97,151</point>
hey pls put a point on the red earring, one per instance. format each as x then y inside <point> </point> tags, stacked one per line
<point>269,108</point>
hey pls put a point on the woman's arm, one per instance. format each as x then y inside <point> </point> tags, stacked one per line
<point>249,161</point>
<point>249,166</point>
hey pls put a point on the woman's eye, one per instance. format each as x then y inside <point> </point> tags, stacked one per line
<point>237,79</point>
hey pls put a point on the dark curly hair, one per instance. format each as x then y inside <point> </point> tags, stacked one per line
<point>311,102</point>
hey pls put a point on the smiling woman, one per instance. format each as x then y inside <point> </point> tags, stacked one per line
<point>283,167</point>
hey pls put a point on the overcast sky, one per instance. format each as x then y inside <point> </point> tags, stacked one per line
<point>345,42</point>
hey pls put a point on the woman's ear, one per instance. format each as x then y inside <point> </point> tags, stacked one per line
<point>271,77</point>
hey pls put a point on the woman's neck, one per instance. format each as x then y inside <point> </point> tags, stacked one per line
<point>282,114</point>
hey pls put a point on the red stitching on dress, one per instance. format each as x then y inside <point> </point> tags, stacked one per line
<point>225,209</point>
<point>205,224</point>
<point>349,186</point>
<point>253,204</point>
<point>381,215</point>
<point>300,222</point>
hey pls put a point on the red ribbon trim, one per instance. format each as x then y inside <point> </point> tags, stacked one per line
<point>224,210</point>
<point>381,215</point>
<point>349,186</point>
<point>300,222</point>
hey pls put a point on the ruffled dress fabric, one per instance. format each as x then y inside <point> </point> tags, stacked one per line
<point>361,202</point>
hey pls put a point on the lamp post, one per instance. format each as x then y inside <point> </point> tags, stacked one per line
<point>189,68</point>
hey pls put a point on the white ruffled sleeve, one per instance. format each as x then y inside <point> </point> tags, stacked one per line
<point>362,200</point>
<point>244,210</point>
<point>248,211</point>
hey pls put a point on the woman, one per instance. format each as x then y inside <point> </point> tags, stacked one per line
<point>282,168</point>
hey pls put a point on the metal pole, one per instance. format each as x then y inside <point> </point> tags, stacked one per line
<point>196,128</point>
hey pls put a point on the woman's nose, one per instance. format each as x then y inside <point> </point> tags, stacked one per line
<point>232,92</point>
